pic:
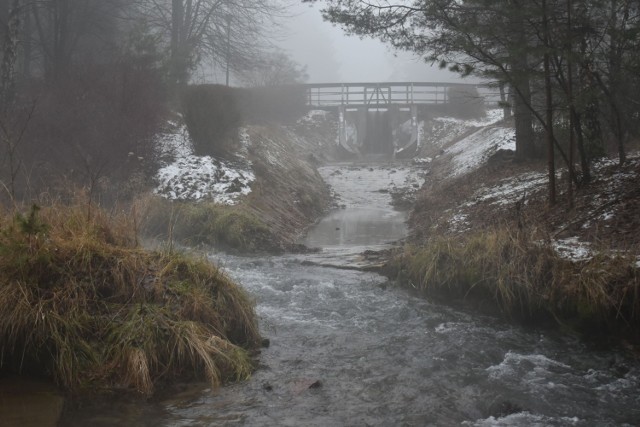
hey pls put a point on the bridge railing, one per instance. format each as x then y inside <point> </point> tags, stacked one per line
<point>325,95</point>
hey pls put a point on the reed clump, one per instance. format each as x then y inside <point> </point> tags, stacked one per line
<point>82,304</point>
<point>523,276</point>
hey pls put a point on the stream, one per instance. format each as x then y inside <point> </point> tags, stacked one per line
<point>349,349</point>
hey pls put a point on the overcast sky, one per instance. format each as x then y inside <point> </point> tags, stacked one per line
<point>331,56</point>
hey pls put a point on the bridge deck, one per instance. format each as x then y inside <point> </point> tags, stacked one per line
<point>380,95</point>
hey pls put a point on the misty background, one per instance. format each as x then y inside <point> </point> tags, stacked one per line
<point>330,55</point>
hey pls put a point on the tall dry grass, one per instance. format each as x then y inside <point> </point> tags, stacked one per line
<point>524,276</point>
<point>82,304</point>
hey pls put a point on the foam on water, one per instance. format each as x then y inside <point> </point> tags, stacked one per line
<point>524,419</point>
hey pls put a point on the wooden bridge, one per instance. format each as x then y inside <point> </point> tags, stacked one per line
<point>354,100</point>
<point>381,95</point>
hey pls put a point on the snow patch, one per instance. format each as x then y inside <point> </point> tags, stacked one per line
<point>475,149</point>
<point>422,161</point>
<point>572,249</point>
<point>185,176</point>
<point>313,116</point>
<point>493,116</point>
<point>511,190</point>
<point>459,222</point>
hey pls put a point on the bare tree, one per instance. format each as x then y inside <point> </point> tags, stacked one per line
<point>69,29</point>
<point>276,68</point>
<point>227,32</point>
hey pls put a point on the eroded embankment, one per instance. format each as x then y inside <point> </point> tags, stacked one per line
<point>483,232</point>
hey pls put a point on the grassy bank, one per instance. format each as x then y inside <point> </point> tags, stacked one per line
<point>524,277</point>
<point>232,228</point>
<point>81,304</point>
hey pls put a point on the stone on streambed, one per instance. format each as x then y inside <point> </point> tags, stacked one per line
<point>299,385</point>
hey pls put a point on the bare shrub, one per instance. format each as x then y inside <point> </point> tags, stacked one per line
<point>212,116</point>
<point>284,103</point>
<point>465,102</point>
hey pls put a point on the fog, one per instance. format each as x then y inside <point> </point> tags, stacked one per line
<point>332,56</point>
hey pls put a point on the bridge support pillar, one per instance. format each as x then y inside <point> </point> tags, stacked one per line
<point>361,126</point>
<point>394,121</point>
<point>414,125</point>
<point>342,126</point>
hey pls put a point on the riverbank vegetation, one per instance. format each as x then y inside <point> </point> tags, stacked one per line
<point>521,274</point>
<point>231,228</point>
<point>490,239</point>
<point>83,305</point>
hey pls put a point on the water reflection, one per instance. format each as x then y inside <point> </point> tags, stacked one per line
<point>358,227</point>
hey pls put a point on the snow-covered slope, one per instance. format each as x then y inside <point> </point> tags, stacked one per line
<point>185,176</point>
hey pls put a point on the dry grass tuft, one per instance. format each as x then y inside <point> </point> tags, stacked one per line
<point>524,276</point>
<point>79,302</point>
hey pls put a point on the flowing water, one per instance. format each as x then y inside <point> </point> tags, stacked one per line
<point>348,349</point>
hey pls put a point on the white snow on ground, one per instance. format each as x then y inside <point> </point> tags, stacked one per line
<point>475,149</point>
<point>443,130</point>
<point>572,249</point>
<point>511,190</point>
<point>313,116</point>
<point>472,151</point>
<point>458,222</point>
<point>185,176</point>
<point>493,116</point>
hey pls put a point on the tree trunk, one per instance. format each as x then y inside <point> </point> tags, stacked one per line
<point>506,107</point>
<point>615,77</point>
<point>9,55</point>
<point>572,109</point>
<point>525,148</point>
<point>549,108</point>
<point>584,160</point>
<point>26,43</point>
<point>177,29</point>
<point>520,70</point>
